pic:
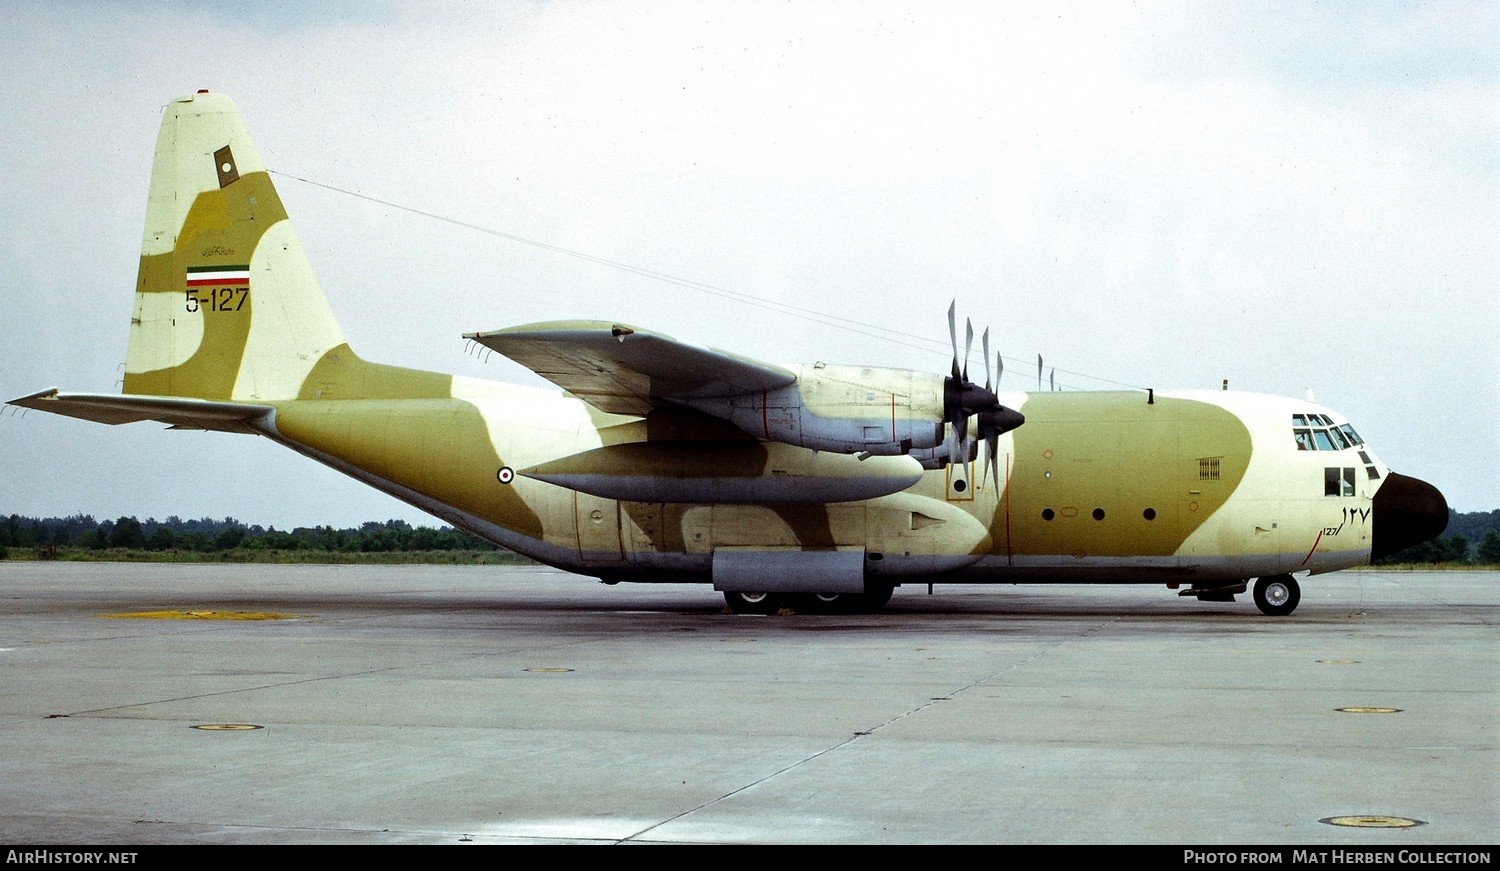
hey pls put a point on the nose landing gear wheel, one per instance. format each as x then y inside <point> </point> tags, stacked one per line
<point>1278,595</point>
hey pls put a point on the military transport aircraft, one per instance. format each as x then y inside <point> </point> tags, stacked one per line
<point>815,486</point>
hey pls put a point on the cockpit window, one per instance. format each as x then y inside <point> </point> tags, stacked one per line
<point>1318,432</point>
<point>1338,482</point>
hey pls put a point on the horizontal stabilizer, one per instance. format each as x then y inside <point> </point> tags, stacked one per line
<point>114,409</point>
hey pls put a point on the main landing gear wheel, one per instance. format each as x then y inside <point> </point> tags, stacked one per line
<point>1278,595</point>
<point>823,603</point>
<point>875,597</point>
<point>752,603</point>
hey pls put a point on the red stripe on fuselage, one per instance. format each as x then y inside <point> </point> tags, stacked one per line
<point>1314,547</point>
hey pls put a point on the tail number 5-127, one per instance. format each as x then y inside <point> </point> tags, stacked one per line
<point>216,299</point>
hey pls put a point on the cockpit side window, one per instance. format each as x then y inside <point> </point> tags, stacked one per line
<point>1338,481</point>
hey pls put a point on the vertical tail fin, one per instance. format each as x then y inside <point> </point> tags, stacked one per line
<point>226,305</point>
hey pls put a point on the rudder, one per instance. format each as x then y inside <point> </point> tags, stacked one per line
<point>226,304</point>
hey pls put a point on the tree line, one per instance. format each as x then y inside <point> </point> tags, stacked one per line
<point>1472,538</point>
<point>208,535</point>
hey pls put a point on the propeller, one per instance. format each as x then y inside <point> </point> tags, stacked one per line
<point>988,426</point>
<point>963,398</point>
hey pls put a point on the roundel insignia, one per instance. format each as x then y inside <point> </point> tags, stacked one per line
<point>505,475</point>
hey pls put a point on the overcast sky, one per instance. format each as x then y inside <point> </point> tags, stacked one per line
<point>1291,196</point>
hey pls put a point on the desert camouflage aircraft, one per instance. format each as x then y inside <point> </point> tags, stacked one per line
<point>815,486</point>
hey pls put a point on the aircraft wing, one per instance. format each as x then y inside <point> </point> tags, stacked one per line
<point>627,370</point>
<point>175,412</point>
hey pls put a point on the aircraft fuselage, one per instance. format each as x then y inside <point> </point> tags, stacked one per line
<point>1119,486</point>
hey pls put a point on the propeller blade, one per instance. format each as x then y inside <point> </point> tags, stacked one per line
<point>1052,378</point>
<point>992,443</point>
<point>963,399</point>
<point>1039,371</point>
<point>986,358</point>
<point>968,344</point>
<point>953,333</point>
<point>958,451</point>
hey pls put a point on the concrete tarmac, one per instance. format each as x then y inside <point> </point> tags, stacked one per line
<point>447,705</point>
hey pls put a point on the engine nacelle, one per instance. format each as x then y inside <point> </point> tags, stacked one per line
<point>940,456</point>
<point>847,409</point>
<point>727,473</point>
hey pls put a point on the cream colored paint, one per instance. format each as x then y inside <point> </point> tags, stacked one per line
<point>526,426</point>
<point>907,524</point>
<point>858,391</point>
<point>154,314</point>
<point>1279,506</point>
<point>291,324</point>
<point>184,167</point>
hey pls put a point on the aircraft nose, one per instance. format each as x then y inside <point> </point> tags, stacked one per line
<point>1407,511</point>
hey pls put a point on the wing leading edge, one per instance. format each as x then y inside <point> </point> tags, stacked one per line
<point>622,369</point>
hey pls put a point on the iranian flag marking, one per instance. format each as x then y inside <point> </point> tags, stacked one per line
<point>218,276</point>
